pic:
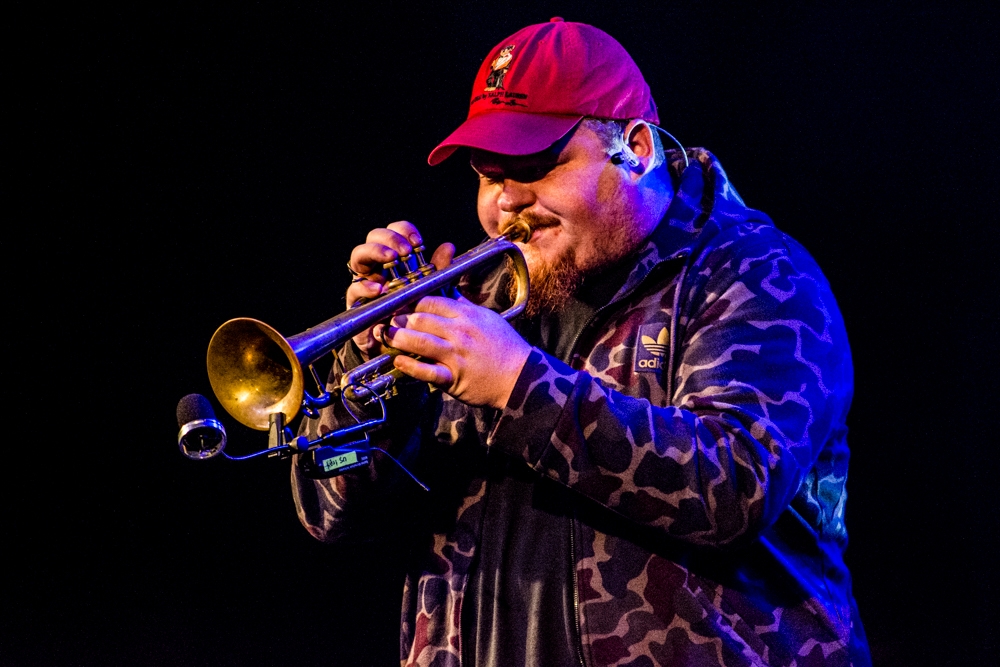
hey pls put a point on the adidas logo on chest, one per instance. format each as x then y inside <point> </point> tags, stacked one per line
<point>652,347</point>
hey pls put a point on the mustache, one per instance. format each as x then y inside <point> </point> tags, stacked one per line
<point>535,221</point>
<point>532,221</point>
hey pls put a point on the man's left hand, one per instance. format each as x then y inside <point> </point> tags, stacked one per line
<point>468,351</point>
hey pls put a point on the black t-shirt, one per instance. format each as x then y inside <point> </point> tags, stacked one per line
<point>518,607</point>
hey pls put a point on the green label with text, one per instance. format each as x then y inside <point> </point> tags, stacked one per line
<point>339,461</point>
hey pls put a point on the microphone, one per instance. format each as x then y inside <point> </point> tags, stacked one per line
<point>202,436</point>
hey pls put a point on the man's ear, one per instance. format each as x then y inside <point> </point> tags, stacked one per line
<point>639,138</point>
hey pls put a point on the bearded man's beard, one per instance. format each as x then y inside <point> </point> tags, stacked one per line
<point>554,283</point>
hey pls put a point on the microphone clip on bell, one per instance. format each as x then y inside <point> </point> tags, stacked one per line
<point>202,436</point>
<point>333,453</point>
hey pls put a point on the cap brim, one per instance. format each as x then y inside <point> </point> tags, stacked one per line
<point>506,132</point>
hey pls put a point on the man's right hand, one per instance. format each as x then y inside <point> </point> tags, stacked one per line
<point>384,245</point>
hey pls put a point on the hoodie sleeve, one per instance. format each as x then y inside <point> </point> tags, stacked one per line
<point>363,505</point>
<point>382,502</point>
<point>761,378</point>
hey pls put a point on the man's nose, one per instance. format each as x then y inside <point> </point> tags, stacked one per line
<point>515,196</point>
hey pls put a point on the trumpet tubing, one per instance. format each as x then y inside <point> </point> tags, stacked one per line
<point>256,372</point>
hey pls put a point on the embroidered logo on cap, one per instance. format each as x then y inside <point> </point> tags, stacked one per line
<point>498,68</point>
<point>652,347</point>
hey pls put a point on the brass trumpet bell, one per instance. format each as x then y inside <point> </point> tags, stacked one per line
<point>254,372</point>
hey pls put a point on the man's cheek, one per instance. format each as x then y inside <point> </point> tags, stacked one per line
<point>531,258</point>
<point>540,252</point>
<point>489,215</point>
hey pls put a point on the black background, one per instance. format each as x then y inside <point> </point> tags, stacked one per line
<point>169,168</point>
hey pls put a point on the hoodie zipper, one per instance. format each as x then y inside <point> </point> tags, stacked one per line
<point>572,355</point>
<point>576,588</point>
<point>622,297</point>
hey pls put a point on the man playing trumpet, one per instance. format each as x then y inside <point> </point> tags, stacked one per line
<point>650,468</point>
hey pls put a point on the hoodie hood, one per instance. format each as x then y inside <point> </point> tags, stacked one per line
<point>705,203</point>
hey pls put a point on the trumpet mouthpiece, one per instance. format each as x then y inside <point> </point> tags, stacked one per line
<point>517,231</point>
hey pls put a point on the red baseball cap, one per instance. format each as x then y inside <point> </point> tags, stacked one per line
<point>537,84</point>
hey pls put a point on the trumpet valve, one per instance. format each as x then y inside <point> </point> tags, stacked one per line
<point>393,268</point>
<point>396,269</point>
<point>424,267</point>
<point>408,268</point>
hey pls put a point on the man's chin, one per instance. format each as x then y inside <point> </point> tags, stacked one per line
<point>552,283</point>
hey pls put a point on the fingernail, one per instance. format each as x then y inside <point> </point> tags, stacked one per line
<point>415,239</point>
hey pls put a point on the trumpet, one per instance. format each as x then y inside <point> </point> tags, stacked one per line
<point>257,374</point>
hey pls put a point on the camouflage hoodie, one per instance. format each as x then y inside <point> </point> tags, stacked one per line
<point>700,428</point>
